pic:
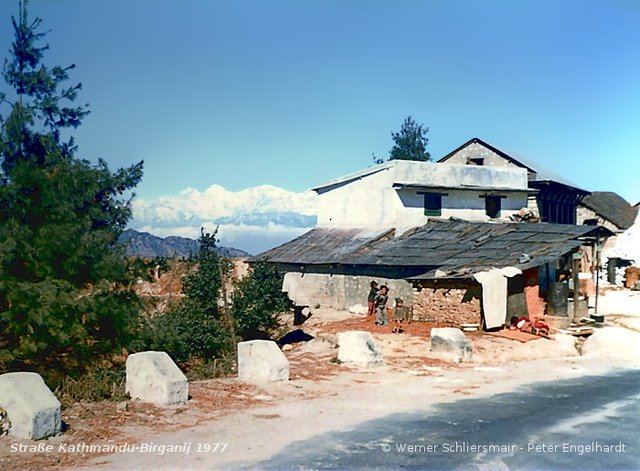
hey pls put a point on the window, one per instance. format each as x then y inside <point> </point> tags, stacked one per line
<point>432,204</point>
<point>476,160</point>
<point>492,206</point>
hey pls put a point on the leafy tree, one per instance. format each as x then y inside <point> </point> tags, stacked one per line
<point>410,143</point>
<point>196,325</point>
<point>258,300</point>
<point>64,284</point>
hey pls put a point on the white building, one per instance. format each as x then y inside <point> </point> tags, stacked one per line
<point>404,194</point>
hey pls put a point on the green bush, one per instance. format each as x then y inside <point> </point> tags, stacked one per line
<point>195,325</point>
<point>258,301</point>
<point>183,332</point>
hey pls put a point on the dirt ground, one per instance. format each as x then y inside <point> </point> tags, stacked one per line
<point>314,374</point>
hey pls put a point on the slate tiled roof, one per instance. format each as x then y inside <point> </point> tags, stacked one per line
<point>612,207</point>
<point>323,246</point>
<point>453,246</point>
<point>460,247</point>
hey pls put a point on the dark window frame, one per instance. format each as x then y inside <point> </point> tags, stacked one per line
<point>496,200</point>
<point>432,203</point>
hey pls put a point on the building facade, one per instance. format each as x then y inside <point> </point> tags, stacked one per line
<point>555,200</point>
<point>405,194</point>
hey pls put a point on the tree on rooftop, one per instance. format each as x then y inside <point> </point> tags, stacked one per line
<point>65,294</point>
<point>410,142</point>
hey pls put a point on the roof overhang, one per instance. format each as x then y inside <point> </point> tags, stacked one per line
<point>488,189</point>
<point>540,184</point>
<point>338,182</point>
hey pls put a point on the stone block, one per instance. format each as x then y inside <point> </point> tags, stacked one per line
<point>358,348</point>
<point>451,343</point>
<point>154,377</point>
<point>31,408</point>
<point>261,361</point>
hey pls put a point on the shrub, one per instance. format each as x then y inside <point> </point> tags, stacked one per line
<point>194,326</point>
<point>258,301</point>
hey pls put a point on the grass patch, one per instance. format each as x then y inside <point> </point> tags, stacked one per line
<point>96,384</point>
<point>197,368</point>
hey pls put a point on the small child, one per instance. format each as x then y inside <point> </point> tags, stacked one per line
<point>371,298</point>
<point>401,313</point>
<point>380,303</point>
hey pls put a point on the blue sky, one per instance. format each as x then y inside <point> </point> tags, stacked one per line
<point>294,93</point>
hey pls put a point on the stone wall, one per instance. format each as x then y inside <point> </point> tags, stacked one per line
<point>475,150</point>
<point>457,305</point>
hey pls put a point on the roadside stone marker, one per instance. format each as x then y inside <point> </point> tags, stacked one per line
<point>452,343</point>
<point>154,377</point>
<point>261,361</point>
<point>32,409</point>
<point>358,348</point>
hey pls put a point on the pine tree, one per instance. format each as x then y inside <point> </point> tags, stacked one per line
<point>410,143</point>
<point>65,293</point>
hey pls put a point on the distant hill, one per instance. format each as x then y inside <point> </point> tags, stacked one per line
<point>143,244</point>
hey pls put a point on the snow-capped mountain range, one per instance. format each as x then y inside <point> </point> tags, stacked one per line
<point>254,219</point>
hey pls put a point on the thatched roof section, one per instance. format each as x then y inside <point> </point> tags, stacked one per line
<point>612,207</point>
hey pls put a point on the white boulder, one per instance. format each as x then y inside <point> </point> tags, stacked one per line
<point>358,348</point>
<point>32,409</point>
<point>451,343</point>
<point>154,377</point>
<point>261,361</point>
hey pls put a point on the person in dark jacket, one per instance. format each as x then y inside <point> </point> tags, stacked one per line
<point>372,295</point>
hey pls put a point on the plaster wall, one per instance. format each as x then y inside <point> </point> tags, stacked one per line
<point>371,201</point>
<point>339,291</point>
<point>532,204</point>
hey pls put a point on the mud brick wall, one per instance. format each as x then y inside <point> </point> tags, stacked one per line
<point>459,304</point>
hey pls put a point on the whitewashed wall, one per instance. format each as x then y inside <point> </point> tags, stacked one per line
<point>371,201</point>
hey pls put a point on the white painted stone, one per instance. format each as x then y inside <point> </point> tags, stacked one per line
<point>31,407</point>
<point>358,348</point>
<point>451,343</point>
<point>261,361</point>
<point>154,377</point>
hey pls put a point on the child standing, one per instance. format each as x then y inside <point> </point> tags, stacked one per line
<point>371,298</point>
<point>401,313</point>
<point>380,302</point>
